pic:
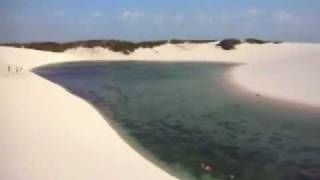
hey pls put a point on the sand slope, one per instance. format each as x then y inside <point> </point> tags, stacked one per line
<point>47,133</point>
<point>293,78</point>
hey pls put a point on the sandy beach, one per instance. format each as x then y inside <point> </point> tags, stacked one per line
<point>48,133</point>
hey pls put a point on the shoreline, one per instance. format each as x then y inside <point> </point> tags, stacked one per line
<point>233,104</point>
<point>254,97</point>
<point>130,141</point>
<point>99,145</point>
<point>38,140</point>
<point>52,134</point>
<point>289,85</point>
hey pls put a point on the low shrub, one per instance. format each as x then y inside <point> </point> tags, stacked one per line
<point>229,44</point>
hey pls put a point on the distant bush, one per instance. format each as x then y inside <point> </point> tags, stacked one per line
<point>255,41</point>
<point>178,41</point>
<point>276,42</point>
<point>229,44</point>
<point>202,41</point>
<point>258,41</point>
<point>55,47</point>
<point>125,47</point>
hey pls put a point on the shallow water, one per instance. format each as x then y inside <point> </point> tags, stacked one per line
<point>184,114</point>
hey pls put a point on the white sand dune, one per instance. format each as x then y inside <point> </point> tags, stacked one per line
<point>291,74</point>
<point>295,80</point>
<point>47,133</point>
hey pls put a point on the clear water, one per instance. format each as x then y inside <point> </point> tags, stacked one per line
<point>183,115</point>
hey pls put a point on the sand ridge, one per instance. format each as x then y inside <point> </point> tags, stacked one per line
<point>48,133</point>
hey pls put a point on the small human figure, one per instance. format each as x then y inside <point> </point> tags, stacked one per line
<point>17,69</point>
<point>206,167</point>
<point>9,68</point>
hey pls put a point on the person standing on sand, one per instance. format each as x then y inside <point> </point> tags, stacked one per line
<point>9,68</point>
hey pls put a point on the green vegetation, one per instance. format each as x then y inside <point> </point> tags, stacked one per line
<point>229,44</point>
<point>125,47</point>
<point>255,41</point>
<point>177,41</point>
<point>258,41</point>
<point>128,47</point>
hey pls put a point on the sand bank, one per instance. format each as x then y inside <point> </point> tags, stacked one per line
<point>47,133</point>
<point>293,78</point>
<point>287,71</point>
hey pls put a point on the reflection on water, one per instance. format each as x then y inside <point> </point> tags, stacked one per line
<point>185,116</point>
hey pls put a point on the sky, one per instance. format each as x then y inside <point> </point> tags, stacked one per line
<point>139,20</point>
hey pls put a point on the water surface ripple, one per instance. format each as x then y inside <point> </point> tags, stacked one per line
<point>185,116</point>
